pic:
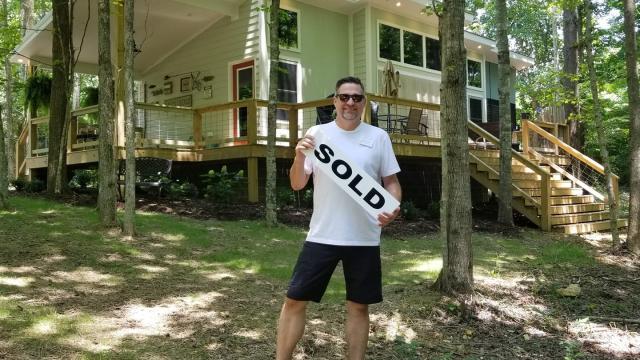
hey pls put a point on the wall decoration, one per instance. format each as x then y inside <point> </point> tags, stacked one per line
<point>207,92</point>
<point>185,84</point>
<point>168,88</point>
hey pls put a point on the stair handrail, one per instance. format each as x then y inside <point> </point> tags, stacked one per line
<point>545,176</point>
<point>584,159</point>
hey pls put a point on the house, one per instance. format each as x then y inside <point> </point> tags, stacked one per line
<point>202,74</point>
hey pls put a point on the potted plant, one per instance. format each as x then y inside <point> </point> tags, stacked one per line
<point>37,93</point>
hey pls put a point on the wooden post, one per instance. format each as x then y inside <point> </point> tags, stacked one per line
<point>252,177</point>
<point>72,136</point>
<point>252,123</point>
<point>525,137</point>
<point>293,126</point>
<point>555,133</point>
<point>197,130</point>
<point>33,138</point>
<point>545,201</point>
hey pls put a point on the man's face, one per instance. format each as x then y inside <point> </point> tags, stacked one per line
<point>349,102</point>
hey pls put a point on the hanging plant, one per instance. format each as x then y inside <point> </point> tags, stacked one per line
<point>37,93</point>
<point>89,96</point>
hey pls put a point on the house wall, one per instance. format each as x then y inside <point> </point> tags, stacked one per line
<point>210,53</point>
<point>323,53</point>
<point>359,45</point>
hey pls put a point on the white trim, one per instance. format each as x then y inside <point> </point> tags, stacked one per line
<point>368,48</point>
<point>350,25</point>
<point>482,73</point>
<point>298,63</point>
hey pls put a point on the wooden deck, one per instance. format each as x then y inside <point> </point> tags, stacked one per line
<point>546,187</point>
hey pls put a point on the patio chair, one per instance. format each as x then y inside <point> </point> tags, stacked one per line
<point>414,125</point>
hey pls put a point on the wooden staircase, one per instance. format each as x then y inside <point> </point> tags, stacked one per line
<point>543,191</point>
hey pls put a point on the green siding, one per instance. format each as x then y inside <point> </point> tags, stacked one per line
<point>359,45</point>
<point>210,53</point>
<point>324,49</point>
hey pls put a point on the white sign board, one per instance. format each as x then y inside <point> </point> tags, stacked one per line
<point>367,192</point>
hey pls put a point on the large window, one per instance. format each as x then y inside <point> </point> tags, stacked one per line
<point>389,43</point>
<point>474,73</point>
<point>287,86</point>
<point>288,29</point>
<point>414,47</point>
<point>475,110</point>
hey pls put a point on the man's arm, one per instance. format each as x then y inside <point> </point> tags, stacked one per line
<point>297,177</point>
<point>392,185</point>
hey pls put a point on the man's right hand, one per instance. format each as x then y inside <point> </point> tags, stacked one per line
<point>306,143</point>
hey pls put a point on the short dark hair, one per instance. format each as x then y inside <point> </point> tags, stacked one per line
<point>349,80</point>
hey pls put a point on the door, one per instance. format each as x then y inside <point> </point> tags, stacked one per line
<point>243,88</point>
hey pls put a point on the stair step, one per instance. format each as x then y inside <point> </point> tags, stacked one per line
<point>579,218</point>
<point>494,161</point>
<point>566,200</point>
<point>577,208</point>
<point>535,184</point>
<point>588,227</point>
<point>524,176</point>
<point>555,192</point>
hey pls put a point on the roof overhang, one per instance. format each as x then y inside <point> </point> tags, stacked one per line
<point>155,39</point>
<point>486,46</point>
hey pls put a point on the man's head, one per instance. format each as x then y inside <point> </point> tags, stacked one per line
<point>349,101</point>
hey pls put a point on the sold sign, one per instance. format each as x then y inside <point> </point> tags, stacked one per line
<point>367,192</point>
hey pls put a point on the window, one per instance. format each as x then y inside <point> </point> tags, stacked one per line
<point>474,73</point>
<point>287,86</point>
<point>288,29</point>
<point>412,48</point>
<point>389,43</point>
<point>475,110</point>
<point>433,54</point>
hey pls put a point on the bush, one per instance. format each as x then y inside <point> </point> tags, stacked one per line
<point>433,210</point>
<point>35,186</point>
<point>83,179</point>
<point>20,184</point>
<point>221,186</point>
<point>409,211</point>
<point>177,190</point>
<point>286,196</point>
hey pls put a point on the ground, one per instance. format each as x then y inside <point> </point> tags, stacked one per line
<point>212,290</point>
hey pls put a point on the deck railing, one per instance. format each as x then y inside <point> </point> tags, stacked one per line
<point>572,164</point>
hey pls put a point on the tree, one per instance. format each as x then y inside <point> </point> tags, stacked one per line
<point>270,190</point>
<point>26,15</point>
<point>106,155</point>
<point>593,82</point>
<point>569,75</point>
<point>61,82</point>
<point>128,226</point>
<point>456,275</point>
<point>631,52</point>
<point>4,186</point>
<point>505,212</point>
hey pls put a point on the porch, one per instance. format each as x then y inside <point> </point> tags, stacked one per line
<point>554,186</point>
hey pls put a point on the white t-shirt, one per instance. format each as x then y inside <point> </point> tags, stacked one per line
<point>337,219</point>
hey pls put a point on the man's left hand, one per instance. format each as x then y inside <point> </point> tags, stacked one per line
<point>385,218</point>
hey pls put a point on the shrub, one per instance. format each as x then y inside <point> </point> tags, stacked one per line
<point>221,186</point>
<point>286,196</point>
<point>433,210</point>
<point>20,184</point>
<point>84,178</point>
<point>35,186</point>
<point>177,190</point>
<point>409,211</point>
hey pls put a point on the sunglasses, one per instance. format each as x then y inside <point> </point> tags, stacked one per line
<point>355,97</point>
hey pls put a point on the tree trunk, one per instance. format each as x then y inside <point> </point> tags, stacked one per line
<point>4,186</point>
<point>270,190</point>
<point>8,133</point>
<point>106,149</point>
<point>455,213</point>
<point>630,43</point>
<point>59,110</point>
<point>128,227</point>
<point>505,212</point>
<point>597,109</point>
<point>26,14</point>
<point>569,75</point>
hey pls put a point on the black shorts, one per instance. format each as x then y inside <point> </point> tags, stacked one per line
<point>316,263</point>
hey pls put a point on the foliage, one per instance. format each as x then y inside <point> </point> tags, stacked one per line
<point>181,189</point>
<point>84,178</point>
<point>37,91</point>
<point>409,211</point>
<point>300,199</point>
<point>35,186</point>
<point>221,186</point>
<point>89,96</point>
<point>20,183</point>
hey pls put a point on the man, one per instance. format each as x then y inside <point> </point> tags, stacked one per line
<point>340,230</point>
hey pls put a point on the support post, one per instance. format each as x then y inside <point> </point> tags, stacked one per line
<point>293,126</point>
<point>525,137</point>
<point>545,201</point>
<point>252,177</point>
<point>72,137</point>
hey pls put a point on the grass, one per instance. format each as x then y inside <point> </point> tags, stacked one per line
<point>190,289</point>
